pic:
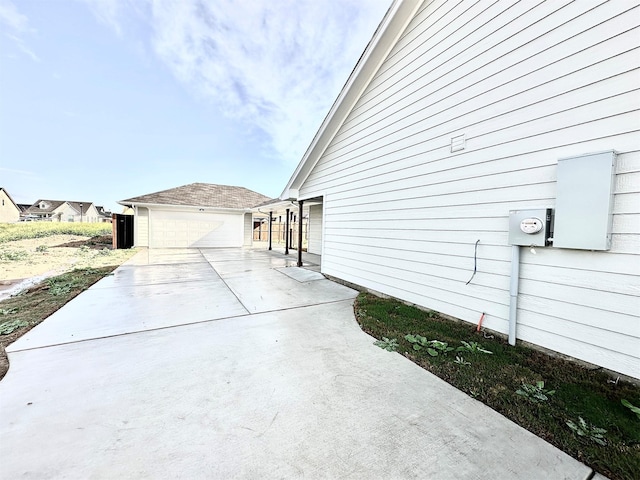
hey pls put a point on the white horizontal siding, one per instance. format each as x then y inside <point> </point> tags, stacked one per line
<point>599,118</point>
<point>448,96</point>
<point>522,63</point>
<point>141,228</point>
<point>527,83</point>
<point>248,230</point>
<point>608,356</point>
<point>315,229</point>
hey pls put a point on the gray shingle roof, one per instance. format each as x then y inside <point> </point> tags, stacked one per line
<point>51,205</point>
<point>203,195</point>
<point>85,206</point>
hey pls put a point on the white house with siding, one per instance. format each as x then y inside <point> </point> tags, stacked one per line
<point>9,210</point>
<point>63,211</point>
<point>458,113</point>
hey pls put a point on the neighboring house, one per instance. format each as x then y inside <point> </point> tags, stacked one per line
<point>9,210</point>
<point>194,215</point>
<point>63,211</point>
<point>103,215</point>
<point>49,210</point>
<point>23,208</point>
<point>89,212</point>
<point>458,113</point>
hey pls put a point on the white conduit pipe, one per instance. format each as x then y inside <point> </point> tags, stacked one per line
<point>513,293</point>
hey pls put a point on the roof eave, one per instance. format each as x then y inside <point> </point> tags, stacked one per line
<point>126,203</point>
<point>274,206</point>
<point>392,26</point>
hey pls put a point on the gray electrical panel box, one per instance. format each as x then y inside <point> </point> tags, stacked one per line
<point>584,201</point>
<point>530,228</point>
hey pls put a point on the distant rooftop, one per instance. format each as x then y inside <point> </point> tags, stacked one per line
<point>202,195</point>
<point>48,206</point>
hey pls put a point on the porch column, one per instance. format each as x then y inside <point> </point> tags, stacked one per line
<point>270,228</point>
<point>286,234</point>
<point>300,203</point>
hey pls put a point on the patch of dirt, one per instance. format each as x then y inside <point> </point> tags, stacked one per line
<point>26,264</point>
<point>53,255</point>
<point>96,243</point>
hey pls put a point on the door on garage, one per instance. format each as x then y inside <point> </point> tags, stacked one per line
<point>315,229</point>
<point>188,229</point>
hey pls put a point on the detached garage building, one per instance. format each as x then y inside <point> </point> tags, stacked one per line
<point>195,215</point>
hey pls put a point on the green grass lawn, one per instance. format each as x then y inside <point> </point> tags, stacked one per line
<point>20,231</point>
<point>495,379</point>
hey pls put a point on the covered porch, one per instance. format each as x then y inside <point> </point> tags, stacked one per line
<point>288,226</point>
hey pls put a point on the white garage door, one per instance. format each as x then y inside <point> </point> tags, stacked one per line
<point>169,229</point>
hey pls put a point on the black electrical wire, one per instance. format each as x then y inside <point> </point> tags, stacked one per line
<point>475,261</point>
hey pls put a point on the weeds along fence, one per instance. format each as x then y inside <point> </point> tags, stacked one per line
<point>10,232</point>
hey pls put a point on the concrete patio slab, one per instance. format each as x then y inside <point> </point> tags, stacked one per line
<point>129,275</point>
<point>292,394</point>
<point>296,392</point>
<point>269,289</point>
<point>103,312</point>
<point>224,262</point>
<point>301,274</point>
<point>159,256</point>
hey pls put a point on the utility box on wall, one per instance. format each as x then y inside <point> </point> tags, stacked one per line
<point>584,201</point>
<point>531,227</point>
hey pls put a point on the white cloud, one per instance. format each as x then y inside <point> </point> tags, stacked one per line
<point>19,23</point>
<point>23,47</point>
<point>10,16</point>
<point>276,65</point>
<point>108,12</point>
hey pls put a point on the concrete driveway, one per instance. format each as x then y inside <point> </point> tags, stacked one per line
<point>235,364</point>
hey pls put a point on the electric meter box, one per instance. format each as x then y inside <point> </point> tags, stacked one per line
<point>530,228</point>
<point>584,201</point>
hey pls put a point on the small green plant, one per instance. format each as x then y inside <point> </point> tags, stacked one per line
<point>13,255</point>
<point>433,347</point>
<point>461,361</point>
<point>42,248</point>
<point>88,271</point>
<point>9,327</point>
<point>58,286</point>
<point>472,347</point>
<point>84,249</point>
<point>104,251</point>
<point>593,433</point>
<point>386,344</point>
<point>8,311</point>
<point>631,407</point>
<point>536,393</point>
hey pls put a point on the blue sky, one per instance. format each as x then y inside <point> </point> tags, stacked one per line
<point>102,100</point>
